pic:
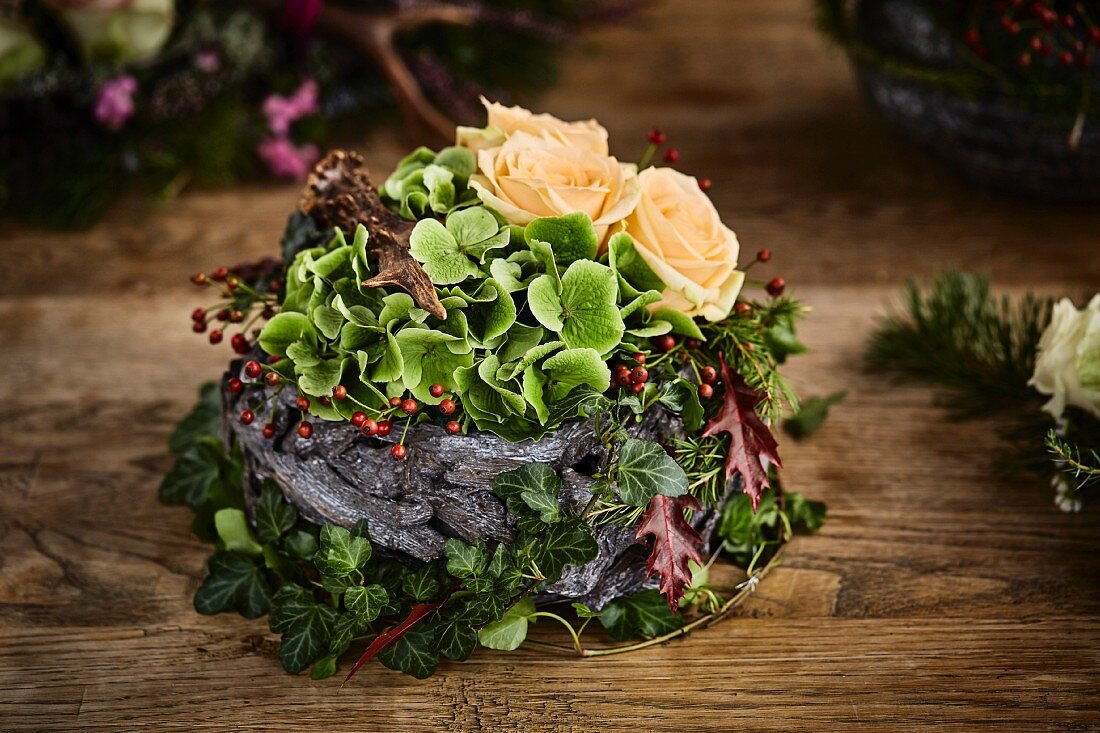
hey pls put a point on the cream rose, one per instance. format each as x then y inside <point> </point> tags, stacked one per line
<point>678,232</point>
<point>1068,363</point>
<point>531,176</point>
<point>121,30</point>
<point>506,121</point>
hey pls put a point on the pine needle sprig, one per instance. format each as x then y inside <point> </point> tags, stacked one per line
<point>981,349</point>
<point>1083,467</point>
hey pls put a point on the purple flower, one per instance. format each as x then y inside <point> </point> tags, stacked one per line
<point>115,103</point>
<point>208,61</point>
<point>300,15</point>
<point>286,161</point>
<point>282,112</point>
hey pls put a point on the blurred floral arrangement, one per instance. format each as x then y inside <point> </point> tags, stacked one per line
<point>1004,358</point>
<point>100,95</point>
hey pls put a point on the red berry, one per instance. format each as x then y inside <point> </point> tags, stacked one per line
<point>220,273</point>
<point>399,452</point>
<point>666,342</point>
<point>302,403</point>
<point>639,357</point>
<point>706,391</point>
<point>252,369</point>
<point>269,431</point>
<point>447,407</point>
<point>692,344</point>
<point>275,286</point>
<point>775,286</point>
<point>216,336</point>
<point>708,374</point>
<point>234,385</point>
<point>273,379</point>
<point>235,316</point>
<point>305,429</point>
<point>232,282</point>
<point>275,359</point>
<point>199,278</point>
<point>623,378</point>
<point>395,401</point>
<point>656,137</point>
<point>672,155</point>
<point>410,407</point>
<point>1067,58</point>
<point>704,184</point>
<point>198,315</point>
<point>764,255</point>
<point>637,387</point>
<point>198,326</point>
<point>339,392</point>
<point>240,343</point>
<point>742,309</point>
<point>1036,44</point>
<point>247,416</point>
<point>385,427</point>
<point>267,313</point>
<point>369,427</point>
<point>639,375</point>
<point>453,427</point>
<point>436,390</point>
<point>972,36</point>
<point>358,418</point>
<point>1024,59</point>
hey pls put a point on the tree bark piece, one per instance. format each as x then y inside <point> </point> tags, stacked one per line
<point>443,489</point>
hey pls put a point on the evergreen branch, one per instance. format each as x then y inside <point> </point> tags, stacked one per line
<point>1085,470</point>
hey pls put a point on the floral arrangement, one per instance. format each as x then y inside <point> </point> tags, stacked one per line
<point>996,357</point>
<point>521,284</point>
<point>161,93</point>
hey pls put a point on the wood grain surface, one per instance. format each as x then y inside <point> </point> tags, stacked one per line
<point>935,598</point>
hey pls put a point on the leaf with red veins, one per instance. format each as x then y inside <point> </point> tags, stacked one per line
<point>674,543</point>
<point>750,437</point>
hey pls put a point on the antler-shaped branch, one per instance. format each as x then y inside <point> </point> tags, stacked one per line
<point>375,34</point>
<point>339,193</point>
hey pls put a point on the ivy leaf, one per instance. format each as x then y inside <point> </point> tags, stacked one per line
<point>645,469</point>
<point>301,544</point>
<point>457,640</point>
<point>423,584</point>
<point>190,479</point>
<point>414,653</point>
<point>674,543</point>
<point>750,438</point>
<point>235,583</point>
<point>234,532</point>
<point>306,626</point>
<point>804,512</point>
<point>680,396</point>
<point>464,559</point>
<point>530,489</point>
<point>274,514</point>
<point>204,419</point>
<point>509,632</point>
<point>643,614</point>
<point>340,553</point>
<point>811,415</point>
<point>583,309</point>
<point>366,602</point>
<point>573,236</point>
<point>566,542</point>
<point>584,611</point>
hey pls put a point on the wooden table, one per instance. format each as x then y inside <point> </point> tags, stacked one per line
<point>937,596</point>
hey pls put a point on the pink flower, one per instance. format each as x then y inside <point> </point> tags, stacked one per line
<point>282,112</point>
<point>286,161</point>
<point>115,103</point>
<point>208,61</point>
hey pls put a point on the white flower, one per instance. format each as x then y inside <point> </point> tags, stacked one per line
<point>120,30</point>
<point>1068,363</point>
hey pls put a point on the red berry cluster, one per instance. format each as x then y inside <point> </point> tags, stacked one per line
<point>671,156</point>
<point>247,291</point>
<point>1064,31</point>
<point>632,378</point>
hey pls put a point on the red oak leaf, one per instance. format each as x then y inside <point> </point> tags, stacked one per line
<point>750,437</point>
<point>674,543</point>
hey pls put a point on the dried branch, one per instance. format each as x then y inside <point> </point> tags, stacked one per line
<point>339,193</point>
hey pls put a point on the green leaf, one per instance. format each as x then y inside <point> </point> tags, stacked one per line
<point>235,583</point>
<point>234,532</point>
<point>572,368</point>
<point>189,481</point>
<point>584,311</point>
<point>642,614</point>
<point>629,265</point>
<point>366,602</point>
<point>204,419</point>
<point>682,397</point>
<point>323,668</point>
<point>509,632</point>
<point>572,236</point>
<point>584,611</point>
<point>464,559</point>
<point>682,323</point>
<point>301,544</point>
<point>530,490</point>
<point>457,640</point>
<point>567,542</point>
<point>328,321</point>
<point>645,469</point>
<point>460,161</point>
<point>283,330</point>
<point>811,415</point>
<point>427,360</point>
<point>803,512</point>
<point>521,339</point>
<point>414,653</point>
<point>274,514</point>
<point>423,584</point>
<point>340,553</point>
<point>305,624</point>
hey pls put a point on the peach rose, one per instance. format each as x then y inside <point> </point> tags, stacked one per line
<point>507,121</point>
<point>678,232</point>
